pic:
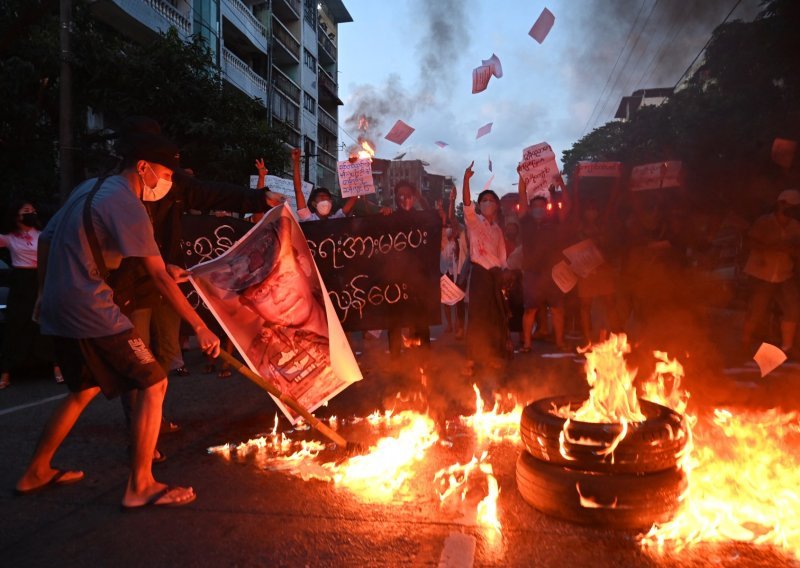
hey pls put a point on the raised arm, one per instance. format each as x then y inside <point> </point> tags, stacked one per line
<point>468,173</point>
<point>262,172</point>
<point>451,207</point>
<point>522,210</point>
<point>298,179</point>
<point>349,204</point>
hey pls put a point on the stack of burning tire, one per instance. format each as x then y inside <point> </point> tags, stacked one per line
<point>622,476</point>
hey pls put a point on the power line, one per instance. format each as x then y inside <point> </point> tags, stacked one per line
<point>648,71</point>
<point>628,58</point>
<point>630,33</point>
<point>705,46</point>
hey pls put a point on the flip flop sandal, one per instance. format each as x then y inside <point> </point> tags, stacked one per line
<point>153,501</point>
<point>57,479</point>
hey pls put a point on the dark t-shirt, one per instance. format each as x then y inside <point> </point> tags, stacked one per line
<point>542,243</point>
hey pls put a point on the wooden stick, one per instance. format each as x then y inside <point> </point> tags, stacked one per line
<point>287,399</point>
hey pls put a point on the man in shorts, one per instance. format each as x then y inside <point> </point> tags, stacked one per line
<point>94,341</point>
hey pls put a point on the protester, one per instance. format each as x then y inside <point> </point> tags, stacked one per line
<point>453,262</point>
<point>487,329</point>
<point>102,222</point>
<point>320,200</point>
<point>542,242</point>
<point>774,240</point>
<point>21,338</point>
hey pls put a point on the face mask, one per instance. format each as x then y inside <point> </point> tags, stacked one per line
<point>161,188</point>
<point>538,214</point>
<point>323,207</point>
<point>29,219</point>
<point>488,208</point>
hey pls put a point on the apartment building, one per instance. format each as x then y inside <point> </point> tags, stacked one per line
<point>282,52</point>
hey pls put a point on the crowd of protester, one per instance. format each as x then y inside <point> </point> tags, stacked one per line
<point>127,341</point>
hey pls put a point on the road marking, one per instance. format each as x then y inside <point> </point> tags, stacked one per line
<point>28,405</point>
<point>458,551</point>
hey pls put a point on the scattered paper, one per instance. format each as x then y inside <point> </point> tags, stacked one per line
<point>451,294</point>
<point>563,276</point>
<point>783,152</point>
<point>399,132</point>
<point>484,130</point>
<point>494,63</point>
<point>355,178</point>
<point>542,26</point>
<point>441,144</point>
<point>488,183</point>
<point>584,257</point>
<point>769,358</point>
<point>480,78</point>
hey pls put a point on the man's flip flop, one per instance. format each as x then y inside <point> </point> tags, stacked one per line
<point>153,500</point>
<point>58,479</point>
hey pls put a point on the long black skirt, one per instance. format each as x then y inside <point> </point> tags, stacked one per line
<point>487,319</point>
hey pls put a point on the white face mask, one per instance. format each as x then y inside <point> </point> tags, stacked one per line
<point>488,208</point>
<point>161,188</point>
<point>323,207</point>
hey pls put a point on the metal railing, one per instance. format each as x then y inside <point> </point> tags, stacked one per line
<point>171,14</point>
<point>293,4</point>
<point>326,43</point>
<point>240,74</point>
<point>326,158</point>
<point>326,121</point>
<point>285,37</point>
<point>249,17</point>
<point>327,82</point>
<point>285,84</point>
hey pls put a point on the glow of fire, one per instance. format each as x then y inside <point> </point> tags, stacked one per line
<point>494,426</point>
<point>743,484</point>
<point>367,151</point>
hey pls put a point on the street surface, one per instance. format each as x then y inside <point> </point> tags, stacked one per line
<point>246,515</point>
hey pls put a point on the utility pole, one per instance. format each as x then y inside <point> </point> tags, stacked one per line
<point>65,139</point>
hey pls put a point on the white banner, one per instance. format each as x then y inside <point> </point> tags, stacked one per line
<point>657,175</point>
<point>355,178</point>
<point>598,169</point>
<point>563,276</point>
<point>538,169</point>
<point>266,293</point>
<point>584,257</point>
<point>451,294</point>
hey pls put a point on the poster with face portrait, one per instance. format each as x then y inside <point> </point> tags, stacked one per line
<point>266,293</point>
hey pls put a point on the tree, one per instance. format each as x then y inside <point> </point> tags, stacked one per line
<point>220,130</point>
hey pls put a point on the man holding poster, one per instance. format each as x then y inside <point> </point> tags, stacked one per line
<point>269,298</point>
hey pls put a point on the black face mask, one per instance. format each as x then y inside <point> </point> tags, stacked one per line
<point>30,219</point>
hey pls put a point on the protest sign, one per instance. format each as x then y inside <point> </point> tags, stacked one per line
<point>768,358</point>
<point>286,187</point>
<point>657,175</point>
<point>543,25</point>
<point>268,296</point>
<point>484,130</point>
<point>783,152</point>
<point>583,257</point>
<point>380,270</point>
<point>494,63</point>
<point>399,132</point>
<point>598,169</point>
<point>480,78</point>
<point>451,294</point>
<point>538,169</point>
<point>441,144</point>
<point>355,178</point>
<point>564,278</point>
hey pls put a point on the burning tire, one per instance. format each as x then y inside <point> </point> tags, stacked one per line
<point>614,500</point>
<point>653,445</point>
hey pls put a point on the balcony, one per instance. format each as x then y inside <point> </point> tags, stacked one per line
<point>326,158</point>
<point>284,84</point>
<point>291,135</point>
<point>287,10</point>
<point>240,16</point>
<point>328,87</point>
<point>327,51</point>
<point>327,122</point>
<point>286,47</point>
<point>140,19</point>
<point>243,77</point>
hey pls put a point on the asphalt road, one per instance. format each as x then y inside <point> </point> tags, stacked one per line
<point>247,515</point>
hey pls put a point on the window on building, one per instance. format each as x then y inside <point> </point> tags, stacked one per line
<point>310,61</point>
<point>284,110</point>
<point>309,103</point>
<point>310,12</point>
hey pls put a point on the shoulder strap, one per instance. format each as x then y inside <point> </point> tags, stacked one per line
<point>91,236</point>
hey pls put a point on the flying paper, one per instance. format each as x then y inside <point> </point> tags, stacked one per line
<point>494,63</point>
<point>488,183</point>
<point>484,130</point>
<point>441,144</point>
<point>399,132</point>
<point>490,163</point>
<point>480,78</point>
<point>542,26</point>
<point>769,358</point>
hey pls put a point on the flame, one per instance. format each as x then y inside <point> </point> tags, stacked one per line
<point>494,426</point>
<point>367,151</point>
<point>742,484</point>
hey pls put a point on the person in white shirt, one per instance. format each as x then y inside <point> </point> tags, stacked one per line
<point>21,337</point>
<point>487,318</point>
<point>320,200</point>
